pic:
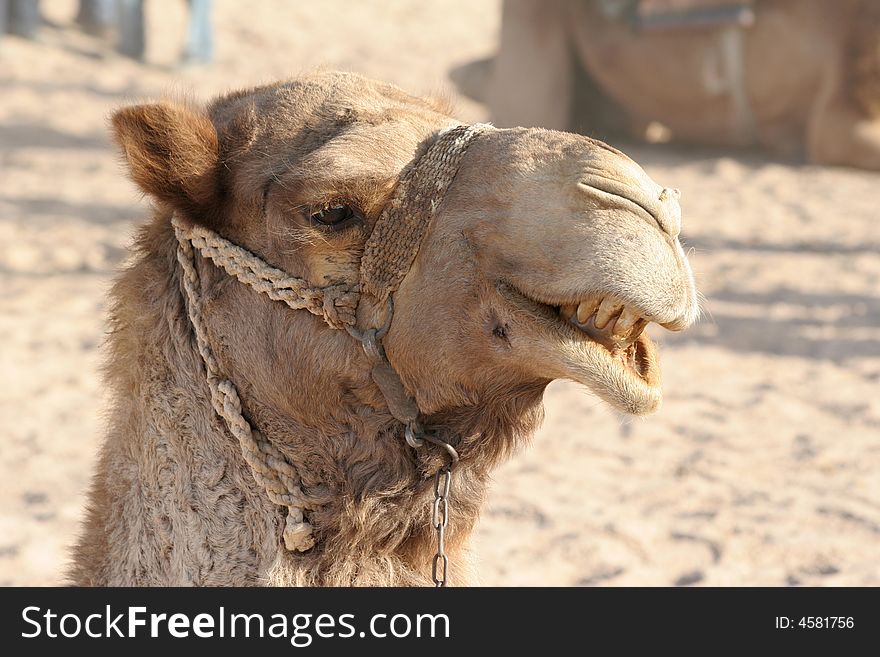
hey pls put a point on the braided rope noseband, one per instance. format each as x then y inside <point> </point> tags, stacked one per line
<point>388,255</point>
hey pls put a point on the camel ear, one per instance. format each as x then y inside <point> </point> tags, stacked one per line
<point>173,155</point>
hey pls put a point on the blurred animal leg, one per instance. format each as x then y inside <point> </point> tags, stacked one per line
<point>131,28</point>
<point>531,84</point>
<point>199,46</point>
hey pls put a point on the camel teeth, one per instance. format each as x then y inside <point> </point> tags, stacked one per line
<point>607,309</point>
<point>625,323</point>
<point>638,328</point>
<point>585,309</point>
<point>567,311</point>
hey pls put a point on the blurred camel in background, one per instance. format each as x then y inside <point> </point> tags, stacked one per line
<point>797,77</point>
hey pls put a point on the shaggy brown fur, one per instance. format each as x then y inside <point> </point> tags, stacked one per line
<point>173,501</point>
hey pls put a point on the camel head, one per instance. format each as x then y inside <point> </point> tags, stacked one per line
<point>546,257</point>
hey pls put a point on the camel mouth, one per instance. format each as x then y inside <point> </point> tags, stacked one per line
<point>598,341</point>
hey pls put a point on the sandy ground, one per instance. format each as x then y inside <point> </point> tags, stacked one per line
<point>762,467</point>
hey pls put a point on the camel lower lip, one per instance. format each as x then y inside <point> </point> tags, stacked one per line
<point>624,350</point>
<point>634,355</point>
<point>627,377</point>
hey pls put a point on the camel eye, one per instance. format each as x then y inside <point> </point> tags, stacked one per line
<point>334,216</point>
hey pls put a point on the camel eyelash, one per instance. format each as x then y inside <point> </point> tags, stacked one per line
<point>334,216</point>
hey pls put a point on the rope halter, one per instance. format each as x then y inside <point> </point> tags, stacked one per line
<point>388,255</point>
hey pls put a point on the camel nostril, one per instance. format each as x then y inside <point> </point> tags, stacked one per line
<point>669,216</point>
<point>662,209</point>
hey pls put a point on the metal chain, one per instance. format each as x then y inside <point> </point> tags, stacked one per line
<point>404,408</point>
<point>416,437</point>
<point>439,520</point>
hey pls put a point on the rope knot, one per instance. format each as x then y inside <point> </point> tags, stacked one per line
<point>339,305</point>
<point>298,536</point>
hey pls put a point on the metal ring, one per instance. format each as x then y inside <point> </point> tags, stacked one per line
<point>372,346</point>
<point>442,490</point>
<point>450,450</point>
<point>388,317</point>
<point>375,334</point>
<point>435,571</point>
<point>440,512</point>
<point>412,439</point>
